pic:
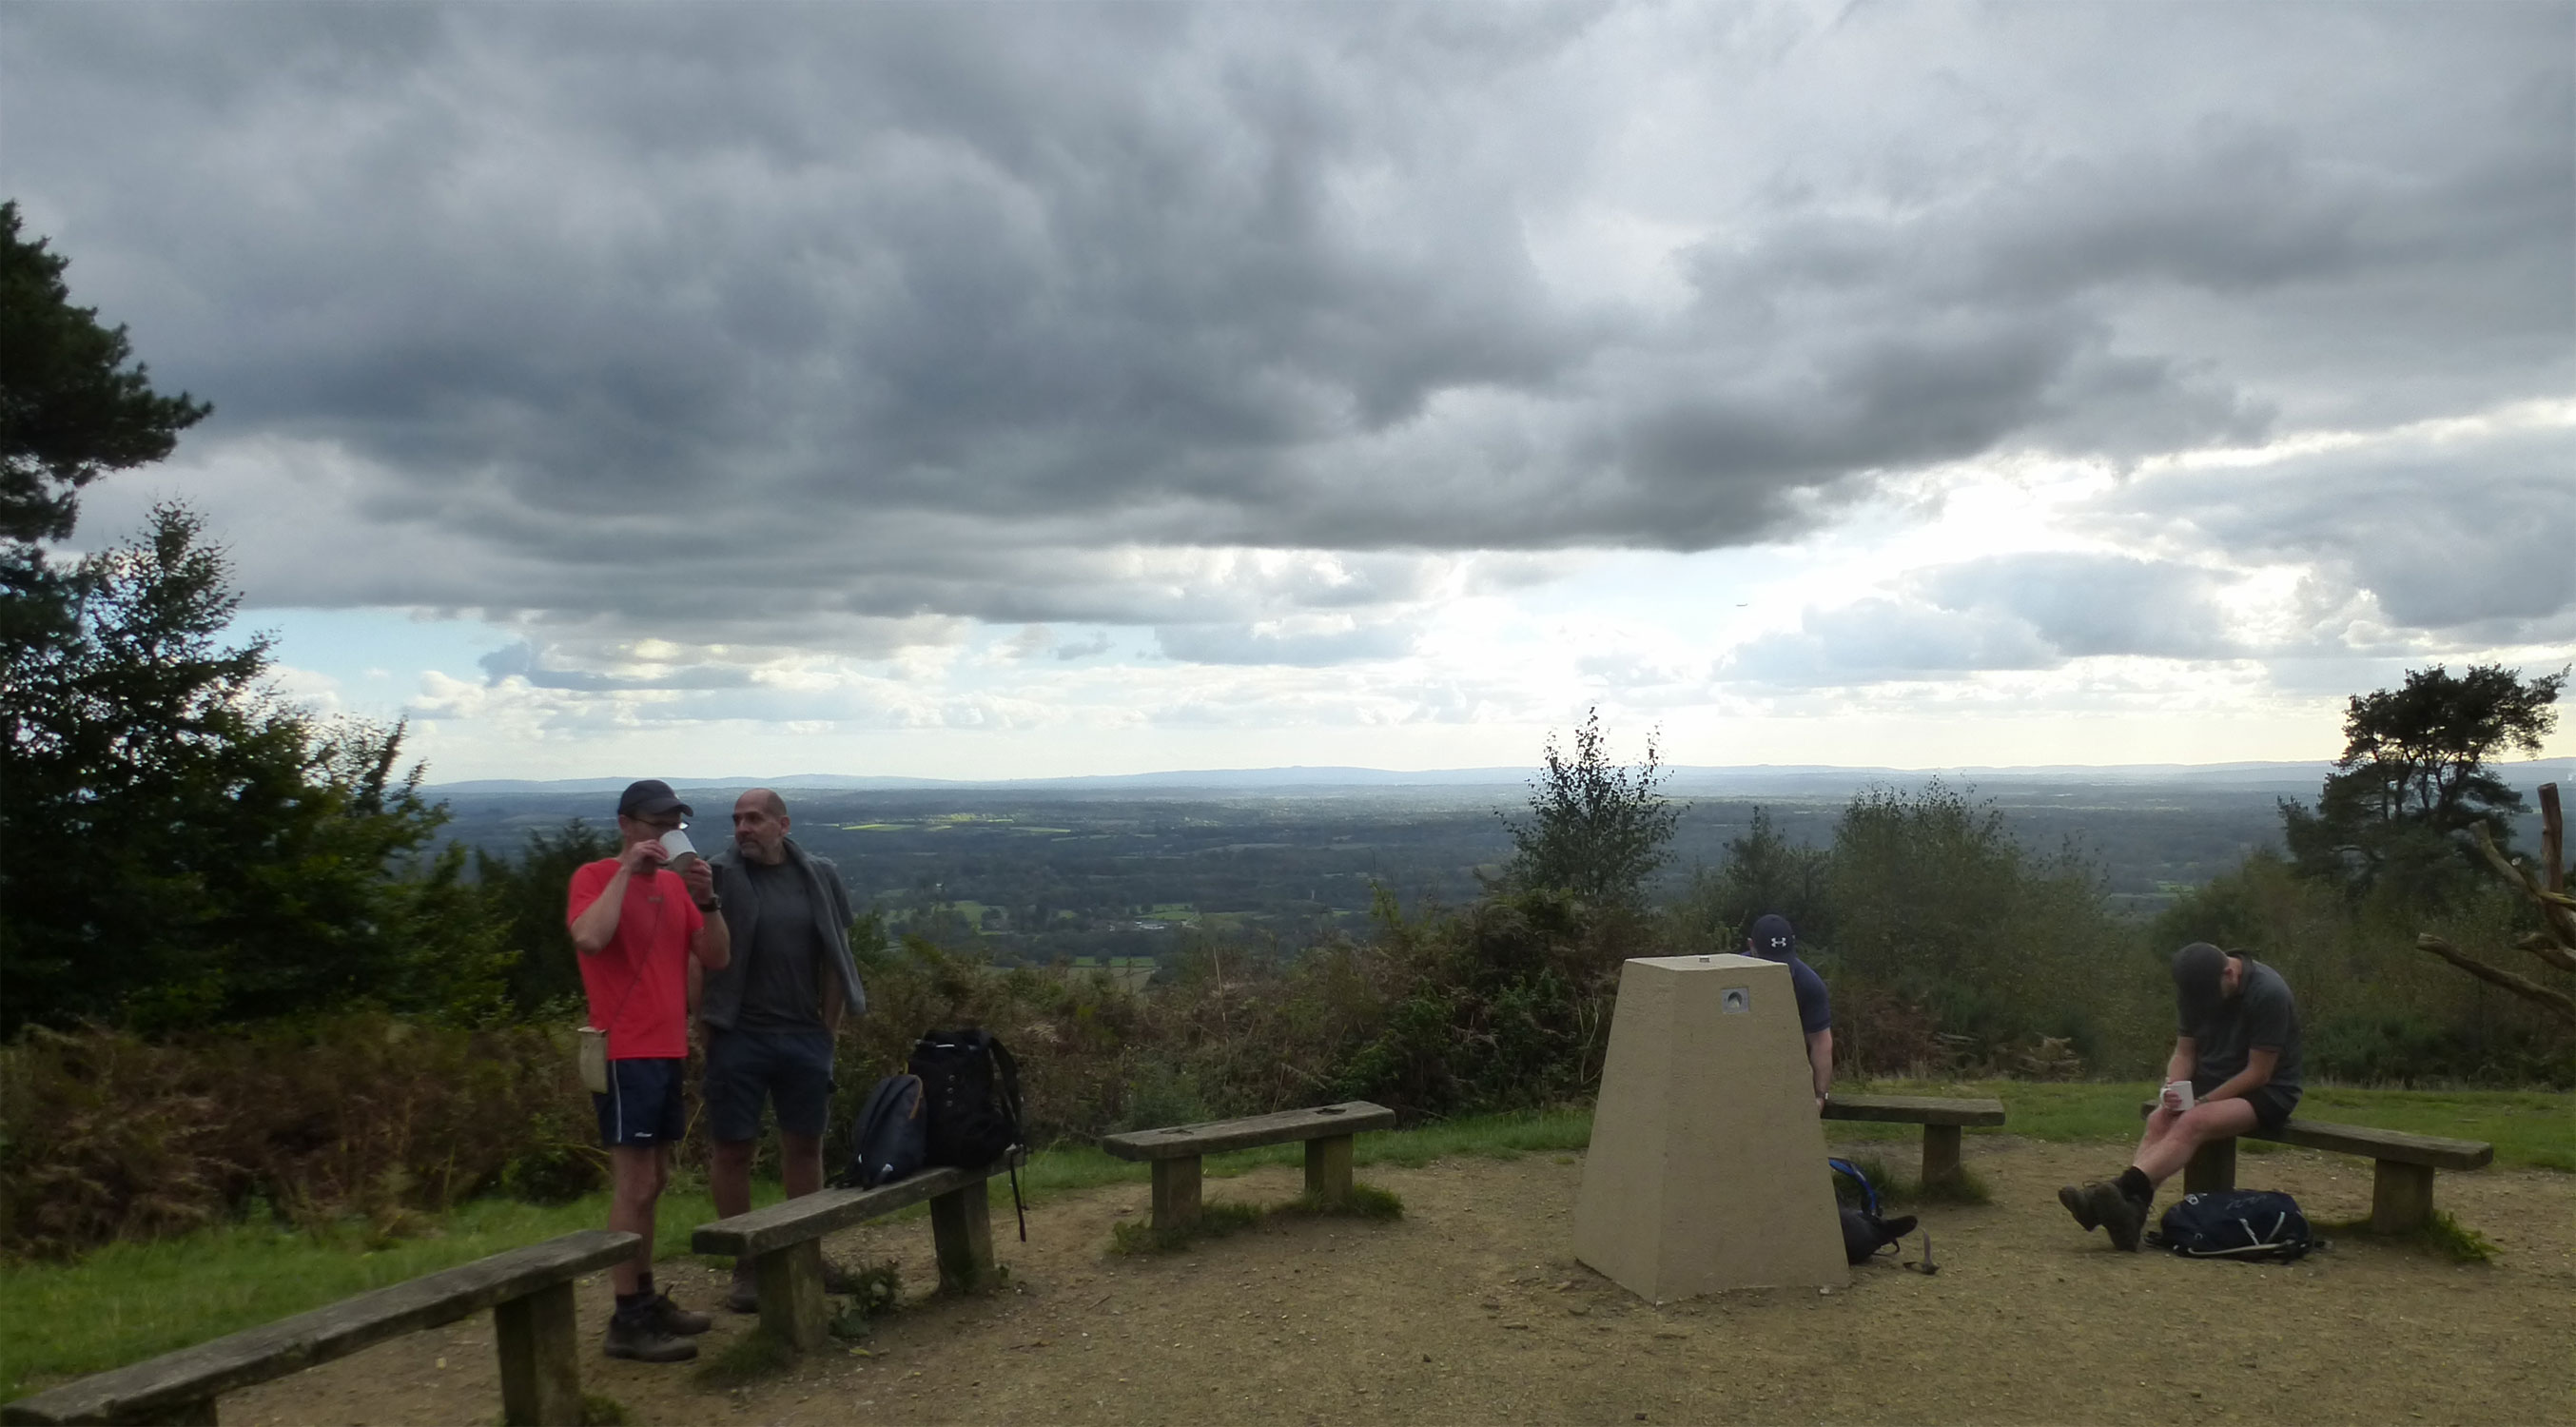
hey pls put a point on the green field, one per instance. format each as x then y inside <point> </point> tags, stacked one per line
<point>131,1301</point>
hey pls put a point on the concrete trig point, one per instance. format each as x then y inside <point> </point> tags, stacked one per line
<point>1707,1169</point>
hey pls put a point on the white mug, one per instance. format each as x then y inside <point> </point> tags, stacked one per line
<point>2177,1095</point>
<point>676,849</point>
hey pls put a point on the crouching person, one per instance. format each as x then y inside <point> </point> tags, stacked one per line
<point>772,1013</point>
<point>2239,1052</point>
<point>639,926</point>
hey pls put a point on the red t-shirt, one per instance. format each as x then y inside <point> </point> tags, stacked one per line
<point>642,976</point>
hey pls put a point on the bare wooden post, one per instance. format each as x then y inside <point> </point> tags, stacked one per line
<point>2401,1196</point>
<point>961,1229</point>
<point>2553,839</point>
<point>1940,1154</point>
<point>1176,1192</point>
<point>540,1363</point>
<point>2212,1168</point>
<point>790,1281</point>
<point>1328,1170</point>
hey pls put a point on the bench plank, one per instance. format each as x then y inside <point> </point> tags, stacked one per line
<point>1914,1109</point>
<point>1217,1136</point>
<point>826,1211</point>
<point>159,1385</point>
<point>2398,1145</point>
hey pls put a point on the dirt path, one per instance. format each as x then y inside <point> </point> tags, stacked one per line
<point>1460,1313</point>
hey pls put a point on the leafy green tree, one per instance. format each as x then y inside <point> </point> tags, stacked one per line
<point>70,406</point>
<point>1596,829</point>
<point>183,847</point>
<point>1763,872</point>
<point>525,896</point>
<point>2413,779</point>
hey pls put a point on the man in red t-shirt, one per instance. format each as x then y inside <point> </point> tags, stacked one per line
<point>642,929</point>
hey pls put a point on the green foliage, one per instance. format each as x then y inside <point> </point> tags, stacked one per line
<point>213,854</point>
<point>70,407</point>
<point>1763,872</point>
<point>524,897</point>
<point>106,1136</point>
<point>871,1292</point>
<point>1955,948</point>
<point>1217,1219</point>
<point>2413,780</point>
<point>1596,829</point>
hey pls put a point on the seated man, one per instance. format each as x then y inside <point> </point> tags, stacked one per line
<point>1773,939</point>
<point>2239,1048</point>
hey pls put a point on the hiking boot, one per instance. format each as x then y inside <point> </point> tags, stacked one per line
<point>744,1296</point>
<point>639,1336</point>
<point>2121,1217</point>
<point>675,1320</point>
<point>2078,1202</point>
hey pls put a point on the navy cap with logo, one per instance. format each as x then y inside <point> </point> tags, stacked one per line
<point>1773,937</point>
<point>650,797</point>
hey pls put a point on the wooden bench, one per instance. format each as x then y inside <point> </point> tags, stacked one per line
<point>1942,1117</point>
<point>529,1291</point>
<point>785,1241</point>
<point>1175,1152</point>
<point>2401,1187</point>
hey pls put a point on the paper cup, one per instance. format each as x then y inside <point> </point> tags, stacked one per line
<point>676,848</point>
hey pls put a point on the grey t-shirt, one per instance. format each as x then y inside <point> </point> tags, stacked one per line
<point>785,956</point>
<point>2260,1014</point>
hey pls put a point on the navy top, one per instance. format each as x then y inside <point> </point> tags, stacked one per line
<point>1815,1004</point>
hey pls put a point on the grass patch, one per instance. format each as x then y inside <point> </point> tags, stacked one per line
<point>598,1409</point>
<point>1216,1221</point>
<point>873,1290</point>
<point>2442,1236</point>
<point>748,1359</point>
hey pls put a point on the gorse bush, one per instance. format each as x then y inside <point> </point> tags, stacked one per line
<point>109,1136</point>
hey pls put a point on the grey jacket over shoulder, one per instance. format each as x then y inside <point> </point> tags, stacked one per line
<point>721,998</point>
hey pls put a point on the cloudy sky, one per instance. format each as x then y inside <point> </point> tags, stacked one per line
<point>995,390</point>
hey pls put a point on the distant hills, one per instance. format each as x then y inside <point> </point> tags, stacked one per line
<point>1767,780</point>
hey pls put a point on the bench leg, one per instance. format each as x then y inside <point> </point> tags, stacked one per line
<point>540,1359</point>
<point>1176,1193</point>
<point>1328,1170</point>
<point>2212,1168</point>
<point>961,1229</point>
<point>790,1281</point>
<point>2401,1197</point>
<point>1940,1154</point>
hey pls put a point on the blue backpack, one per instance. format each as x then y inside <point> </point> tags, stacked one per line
<point>2261,1225</point>
<point>890,1140</point>
<point>1864,1232</point>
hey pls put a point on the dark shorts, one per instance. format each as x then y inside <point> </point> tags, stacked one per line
<point>2272,1104</point>
<point>642,1106</point>
<point>744,1068</point>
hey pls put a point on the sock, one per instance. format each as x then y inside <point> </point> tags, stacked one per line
<point>644,1280</point>
<point>2135,1186</point>
<point>630,1304</point>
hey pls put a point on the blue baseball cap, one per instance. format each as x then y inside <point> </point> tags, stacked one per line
<point>1773,938</point>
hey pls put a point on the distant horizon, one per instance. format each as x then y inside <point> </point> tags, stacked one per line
<point>1311,776</point>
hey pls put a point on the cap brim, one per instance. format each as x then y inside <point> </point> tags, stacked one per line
<point>652,806</point>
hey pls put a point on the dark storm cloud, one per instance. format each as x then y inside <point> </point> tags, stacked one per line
<point>869,315</point>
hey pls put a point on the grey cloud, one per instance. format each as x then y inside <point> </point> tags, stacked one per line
<point>871,317</point>
<point>1883,639</point>
<point>2464,533</point>
<point>1239,644</point>
<point>2085,605</point>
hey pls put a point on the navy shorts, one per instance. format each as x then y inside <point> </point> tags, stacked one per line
<point>2272,1104</point>
<point>642,1106</point>
<point>744,1068</point>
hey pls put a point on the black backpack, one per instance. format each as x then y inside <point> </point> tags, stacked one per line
<point>970,1089</point>
<point>2253,1224</point>
<point>889,1140</point>
<point>1864,1232</point>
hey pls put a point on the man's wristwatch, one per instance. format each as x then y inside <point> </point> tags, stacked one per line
<point>712,904</point>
